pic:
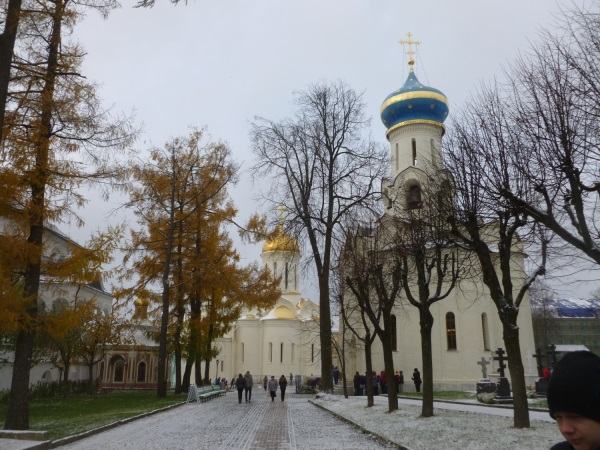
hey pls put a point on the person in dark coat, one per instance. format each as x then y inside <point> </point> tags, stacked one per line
<point>356,381</point>
<point>273,387</point>
<point>282,386</point>
<point>265,381</point>
<point>240,384</point>
<point>248,388</point>
<point>375,383</point>
<point>336,375</point>
<point>401,381</point>
<point>417,379</point>
<point>574,400</point>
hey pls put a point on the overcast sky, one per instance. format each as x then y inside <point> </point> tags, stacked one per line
<point>219,63</point>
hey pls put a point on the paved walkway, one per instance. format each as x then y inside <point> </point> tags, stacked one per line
<point>223,423</point>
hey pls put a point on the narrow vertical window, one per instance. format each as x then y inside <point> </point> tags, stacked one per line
<point>312,353</point>
<point>275,269</point>
<point>451,331</point>
<point>414,152</point>
<point>102,371</point>
<point>397,157</point>
<point>287,268</point>
<point>270,352</point>
<point>242,352</point>
<point>433,158</point>
<point>393,335</point>
<point>281,352</point>
<point>295,278</point>
<point>293,351</point>
<point>484,330</point>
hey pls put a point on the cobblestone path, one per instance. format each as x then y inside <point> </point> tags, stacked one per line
<point>224,424</point>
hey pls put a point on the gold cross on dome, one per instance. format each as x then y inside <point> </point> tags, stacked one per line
<point>281,210</point>
<point>410,52</point>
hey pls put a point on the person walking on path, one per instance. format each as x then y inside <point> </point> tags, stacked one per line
<point>574,400</point>
<point>273,387</point>
<point>336,375</point>
<point>356,381</point>
<point>248,387</point>
<point>265,381</point>
<point>417,379</point>
<point>401,381</point>
<point>240,384</point>
<point>282,386</point>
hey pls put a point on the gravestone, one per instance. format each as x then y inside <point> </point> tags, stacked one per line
<point>503,392</point>
<point>485,386</point>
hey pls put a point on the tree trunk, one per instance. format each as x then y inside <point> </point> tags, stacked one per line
<point>388,363</point>
<point>426,322</point>
<point>7,45</point>
<point>369,372</point>
<point>517,374</point>
<point>325,330</point>
<point>17,417</point>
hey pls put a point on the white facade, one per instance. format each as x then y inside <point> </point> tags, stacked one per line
<point>52,295</point>
<point>415,157</point>
<point>281,341</point>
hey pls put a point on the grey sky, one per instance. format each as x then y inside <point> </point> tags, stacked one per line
<point>220,63</point>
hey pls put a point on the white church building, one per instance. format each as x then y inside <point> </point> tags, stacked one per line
<point>466,327</point>
<point>282,340</point>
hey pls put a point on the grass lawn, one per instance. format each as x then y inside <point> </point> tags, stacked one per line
<point>82,412</point>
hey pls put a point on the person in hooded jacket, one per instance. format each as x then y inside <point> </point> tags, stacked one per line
<point>240,384</point>
<point>282,386</point>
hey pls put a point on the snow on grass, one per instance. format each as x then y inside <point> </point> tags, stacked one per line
<point>447,429</point>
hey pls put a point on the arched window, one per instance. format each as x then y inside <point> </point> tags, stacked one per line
<point>397,157</point>
<point>119,371</point>
<point>414,152</point>
<point>242,352</point>
<point>393,335</point>
<point>270,352</point>
<point>451,331</point>
<point>101,375</point>
<point>433,158</point>
<point>281,352</point>
<point>413,197</point>
<point>484,330</point>
<point>275,270</point>
<point>141,372</point>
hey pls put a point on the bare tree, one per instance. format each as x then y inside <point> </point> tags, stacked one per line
<point>322,167</point>
<point>479,157</point>
<point>429,262</point>
<point>554,98</point>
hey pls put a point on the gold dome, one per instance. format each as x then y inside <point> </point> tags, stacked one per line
<point>281,312</point>
<point>281,242</point>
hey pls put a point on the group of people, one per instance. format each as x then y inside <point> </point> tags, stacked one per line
<point>272,385</point>
<point>380,382</point>
<point>244,383</point>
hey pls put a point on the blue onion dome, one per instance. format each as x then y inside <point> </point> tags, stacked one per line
<point>414,103</point>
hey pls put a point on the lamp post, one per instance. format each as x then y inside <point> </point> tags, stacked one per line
<point>217,375</point>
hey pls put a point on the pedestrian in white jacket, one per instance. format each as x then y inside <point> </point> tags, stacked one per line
<point>273,383</point>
